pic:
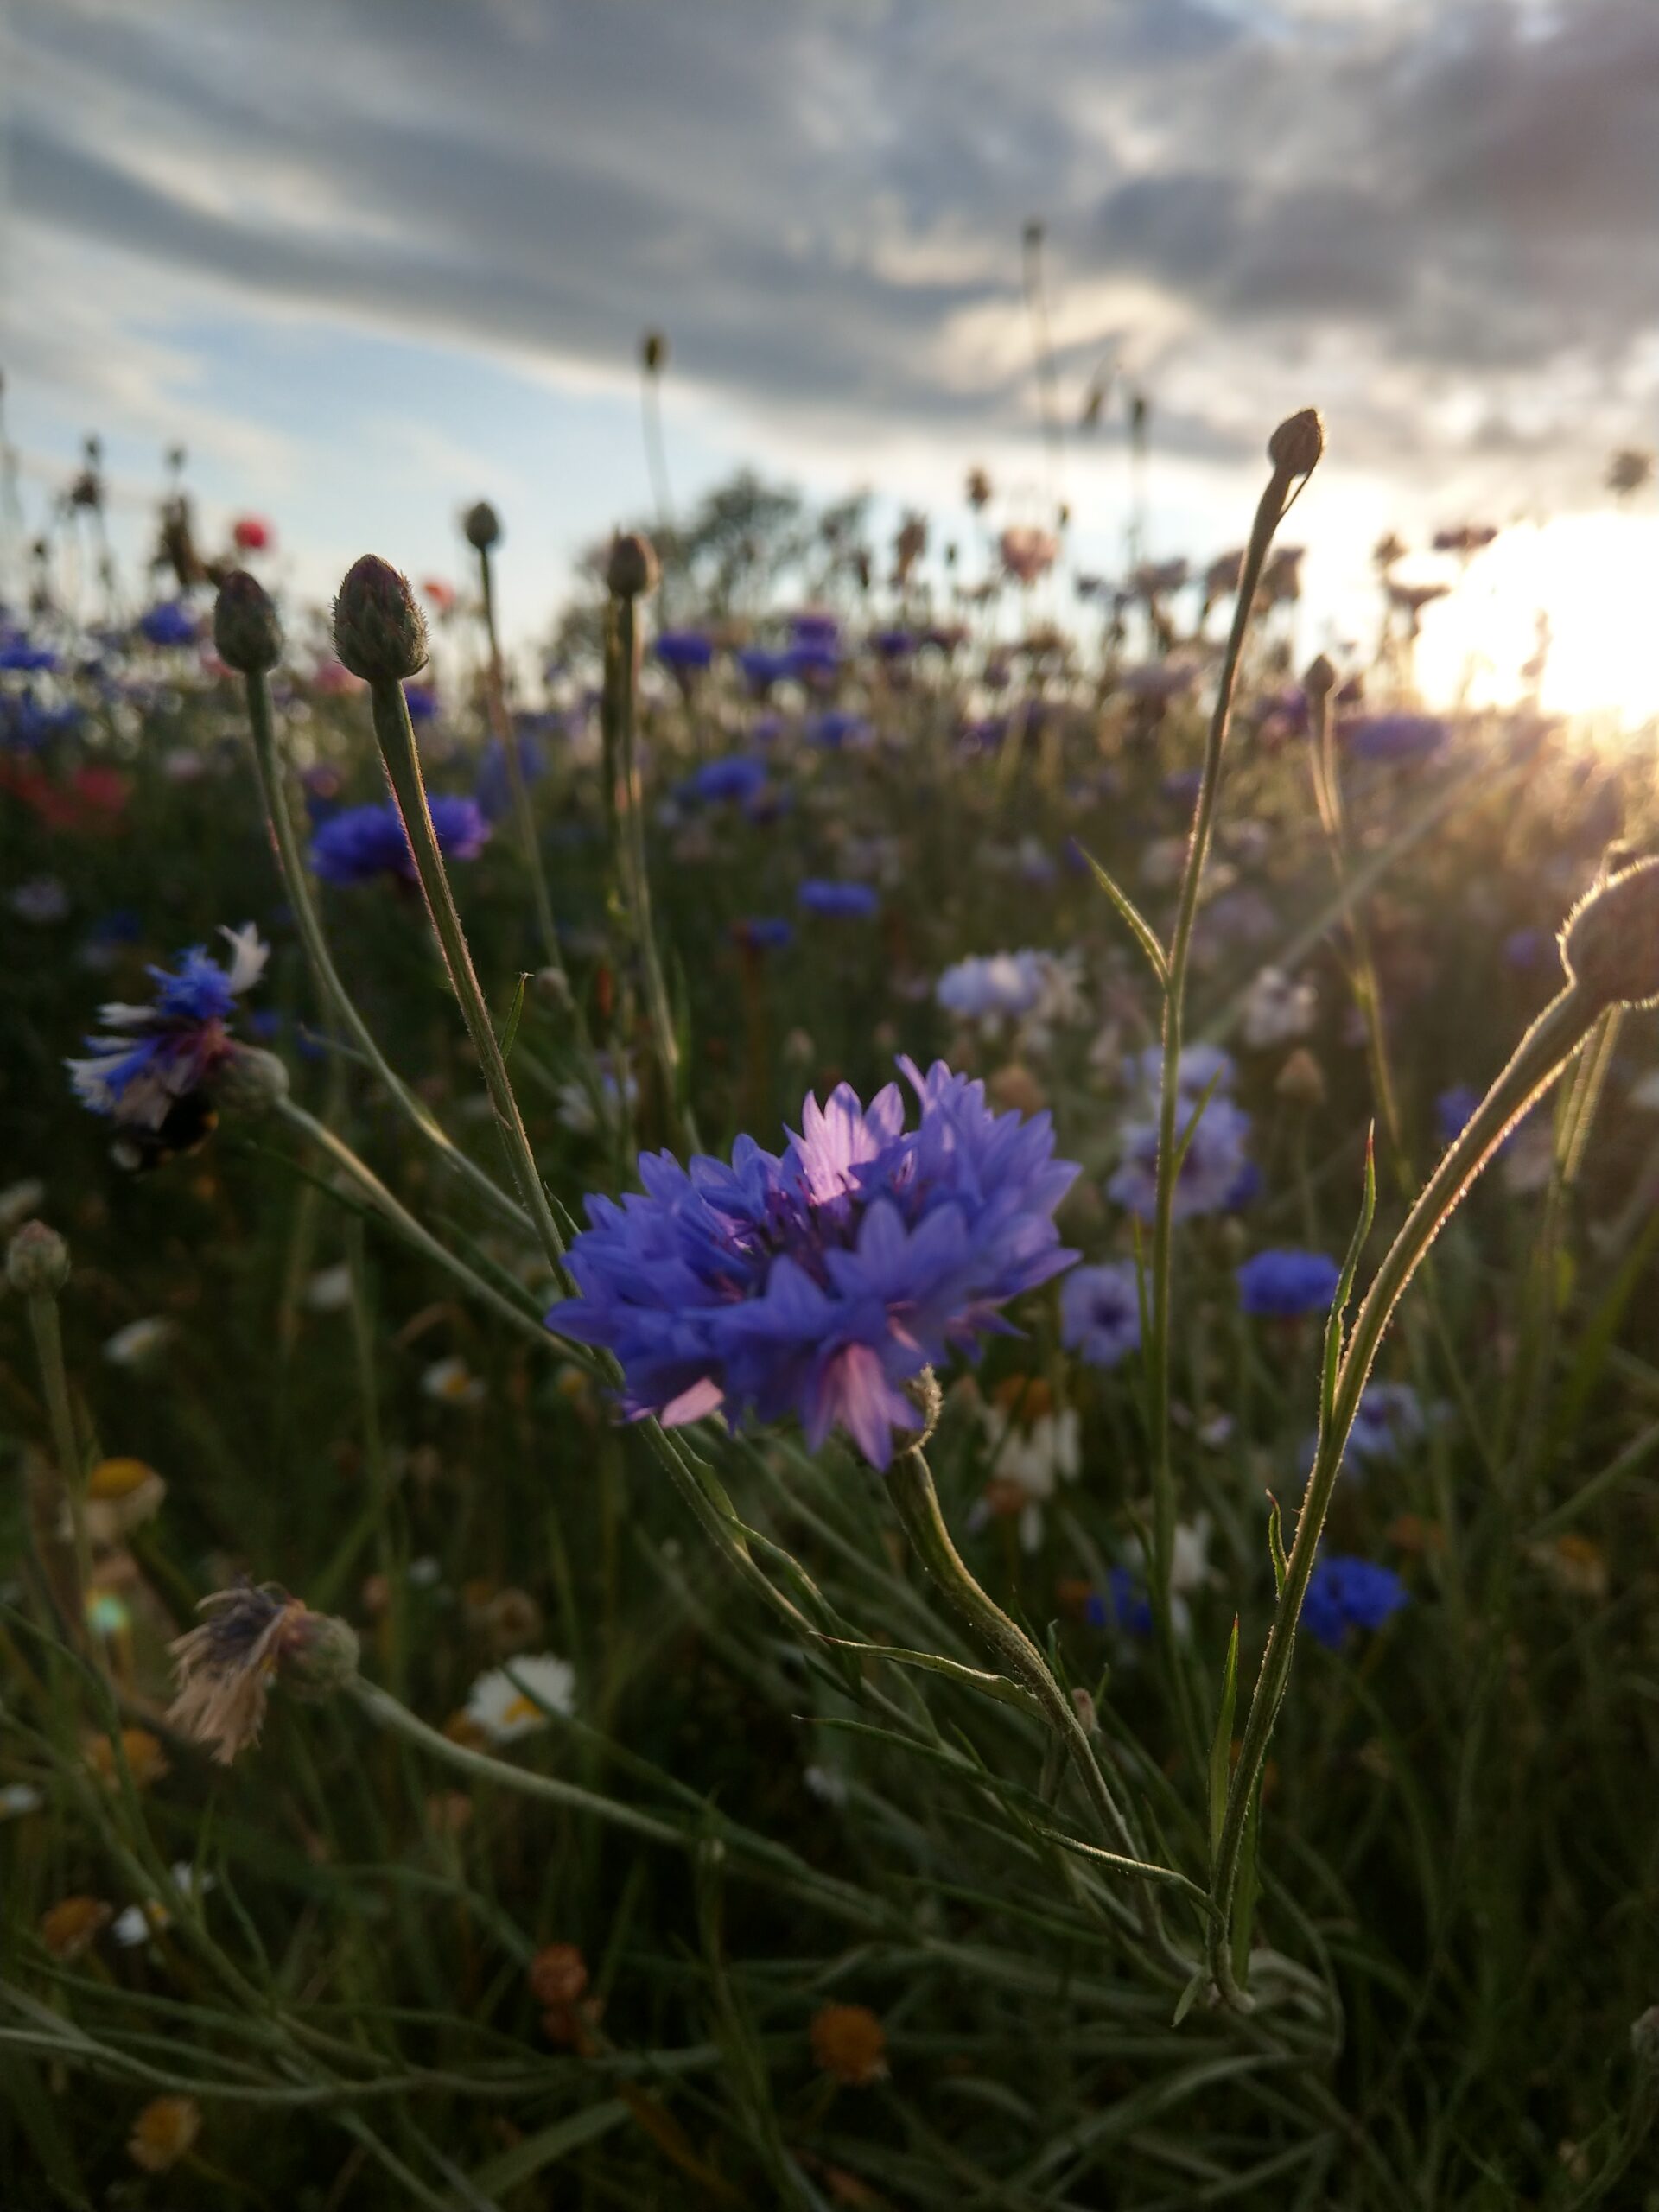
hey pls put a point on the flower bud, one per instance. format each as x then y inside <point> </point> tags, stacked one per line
<point>1296,445</point>
<point>37,1261</point>
<point>482,526</point>
<point>1320,680</point>
<point>245,629</point>
<point>633,569</point>
<point>320,1656</point>
<point>1610,942</point>
<point>653,352</point>
<point>250,1080</point>
<point>379,632</point>
<point>1301,1079</point>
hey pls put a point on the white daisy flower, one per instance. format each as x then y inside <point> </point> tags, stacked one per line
<point>502,1710</point>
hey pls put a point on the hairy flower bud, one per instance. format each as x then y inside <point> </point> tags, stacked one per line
<point>379,632</point>
<point>251,1080</point>
<point>1320,679</point>
<point>1611,942</point>
<point>245,629</point>
<point>633,569</point>
<point>1296,445</point>
<point>320,1656</point>
<point>37,1260</point>
<point>482,526</point>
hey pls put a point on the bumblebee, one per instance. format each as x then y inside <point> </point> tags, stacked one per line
<point>185,1127</point>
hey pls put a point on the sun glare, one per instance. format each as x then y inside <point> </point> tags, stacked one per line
<point>1576,593</point>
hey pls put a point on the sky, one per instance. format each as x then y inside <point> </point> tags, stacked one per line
<point>372,260</point>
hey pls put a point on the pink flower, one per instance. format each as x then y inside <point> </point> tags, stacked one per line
<point>1027,552</point>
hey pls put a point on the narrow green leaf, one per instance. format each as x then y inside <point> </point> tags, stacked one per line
<point>1244,1889</point>
<point>992,1685</point>
<point>1221,1748</point>
<point>515,1013</point>
<point>1138,925</point>
<point>526,2159</point>
<point>1188,1998</point>
<point>1276,1546</point>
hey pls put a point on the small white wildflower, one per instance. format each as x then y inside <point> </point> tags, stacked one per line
<point>139,1342</point>
<point>503,1711</point>
<point>142,1923</point>
<point>329,1291</point>
<point>18,1799</point>
<point>827,1783</point>
<point>452,1382</point>
<point>1277,1010</point>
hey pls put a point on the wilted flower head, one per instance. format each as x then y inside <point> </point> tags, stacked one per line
<point>226,1668</point>
<point>821,1282</point>
<point>361,842</point>
<point>154,1056</point>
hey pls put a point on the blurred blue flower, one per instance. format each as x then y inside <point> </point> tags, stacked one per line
<point>1100,1312</point>
<point>150,1057</point>
<point>1526,948</point>
<point>1286,1283</point>
<point>1387,1420</point>
<point>738,776</point>
<point>761,669</point>
<point>824,894</point>
<point>1214,1173</point>
<point>171,623</point>
<point>1344,1592</point>
<point>495,784</point>
<point>893,645</point>
<point>361,841</point>
<point>422,702</point>
<point>1123,1604</point>
<point>17,654</point>
<point>765,932</point>
<point>837,727</point>
<point>993,984</point>
<point>1395,737</point>
<point>683,650</point>
<point>820,1282</point>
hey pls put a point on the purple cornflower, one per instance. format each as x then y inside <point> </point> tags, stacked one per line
<point>18,656</point>
<point>685,651</point>
<point>1454,1110</point>
<point>762,669</point>
<point>837,727</point>
<point>362,842</point>
<point>1344,1592</point>
<point>826,894</point>
<point>171,624</point>
<point>1100,1312</point>
<point>893,645</point>
<point>1286,1283</point>
<point>993,983</point>
<point>1214,1173</point>
<point>151,1057</point>
<point>820,1282</point>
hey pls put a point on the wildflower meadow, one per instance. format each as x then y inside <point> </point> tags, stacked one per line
<point>848,1397</point>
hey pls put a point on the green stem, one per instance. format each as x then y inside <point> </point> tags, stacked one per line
<point>296,884</point>
<point>395,734</point>
<point>621,676</point>
<point>910,1484</point>
<point>1538,1059</point>
<point>412,1231</point>
<point>523,814</point>
<point>1269,512</point>
<point>72,1470</point>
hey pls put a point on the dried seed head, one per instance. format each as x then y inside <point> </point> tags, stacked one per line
<point>251,1080</point>
<point>482,526</point>
<point>163,2132</point>
<point>246,633</point>
<point>37,1261</point>
<point>633,569</point>
<point>379,632</point>
<point>1320,679</point>
<point>72,1925</point>
<point>558,1975</point>
<point>249,1636</point>
<point>1301,1079</point>
<point>1611,942</point>
<point>1296,445</point>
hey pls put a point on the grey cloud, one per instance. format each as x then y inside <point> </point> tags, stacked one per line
<point>1462,192</point>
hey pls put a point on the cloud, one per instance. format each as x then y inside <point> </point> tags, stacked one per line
<point>1445,210</point>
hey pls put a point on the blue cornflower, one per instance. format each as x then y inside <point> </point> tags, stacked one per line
<point>993,983</point>
<point>1388,1419</point>
<point>893,645</point>
<point>1526,948</point>
<point>765,932</point>
<point>825,895</point>
<point>422,702</point>
<point>738,776</point>
<point>837,727</point>
<point>1454,1110</point>
<point>820,1282</point>
<point>153,1056</point>
<point>1286,1283</point>
<point>361,841</point>
<point>18,656</point>
<point>1344,1592</point>
<point>761,669</point>
<point>171,624</point>
<point>494,779</point>
<point>1100,1312</point>
<point>816,631</point>
<point>686,651</point>
<point>1214,1174</point>
<point>1123,1604</point>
